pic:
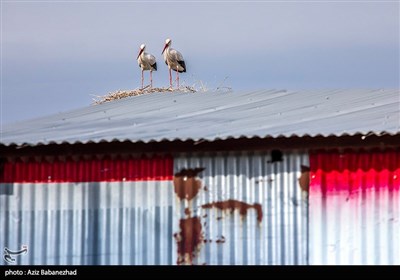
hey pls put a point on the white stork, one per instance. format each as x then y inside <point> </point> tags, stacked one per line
<point>174,60</point>
<point>146,62</point>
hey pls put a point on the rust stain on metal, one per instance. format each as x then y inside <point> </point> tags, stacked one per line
<point>220,240</point>
<point>187,212</point>
<point>188,240</point>
<point>304,180</point>
<point>186,186</point>
<point>235,204</point>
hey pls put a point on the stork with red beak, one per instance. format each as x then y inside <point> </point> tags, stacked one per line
<point>146,62</point>
<point>174,60</point>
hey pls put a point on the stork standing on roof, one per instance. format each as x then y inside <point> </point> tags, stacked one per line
<point>174,60</point>
<point>146,62</point>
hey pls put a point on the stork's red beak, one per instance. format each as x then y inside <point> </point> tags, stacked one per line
<point>140,52</point>
<point>164,48</point>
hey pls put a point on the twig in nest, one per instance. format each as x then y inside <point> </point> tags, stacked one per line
<point>136,92</point>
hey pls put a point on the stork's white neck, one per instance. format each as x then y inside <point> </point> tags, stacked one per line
<point>166,53</point>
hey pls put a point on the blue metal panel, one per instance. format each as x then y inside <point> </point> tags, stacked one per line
<point>89,223</point>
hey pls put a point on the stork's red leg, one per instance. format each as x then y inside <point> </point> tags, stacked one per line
<point>170,77</point>
<point>142,79</point>
<point>151,78</point>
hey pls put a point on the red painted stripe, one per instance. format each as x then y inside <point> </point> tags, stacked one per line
<point>352,171</point>
<point>88,170</point>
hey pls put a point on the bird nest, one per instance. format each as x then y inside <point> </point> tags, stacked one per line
<point>136,92</point>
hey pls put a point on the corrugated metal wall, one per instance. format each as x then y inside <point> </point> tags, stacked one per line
<point>124,219</point>
<point>219,208</point>
<point>230,208</point>
<point>247,210</point>
<point>355,207</point>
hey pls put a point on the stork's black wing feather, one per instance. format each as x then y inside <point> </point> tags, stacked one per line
<point>182,63</point>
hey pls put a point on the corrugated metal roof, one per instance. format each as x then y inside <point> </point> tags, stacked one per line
<point>217,115</point>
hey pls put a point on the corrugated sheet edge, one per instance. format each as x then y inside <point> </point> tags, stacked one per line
<point>208,139</point>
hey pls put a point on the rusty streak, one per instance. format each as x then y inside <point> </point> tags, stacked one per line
<point>221,240</point>
<point>188,240</point>
<point>304,180</point>
<point>187,212</point>
<point>186,186</point>
<point>235,204</point>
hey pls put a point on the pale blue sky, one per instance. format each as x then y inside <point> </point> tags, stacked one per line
<point>56,55</point>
